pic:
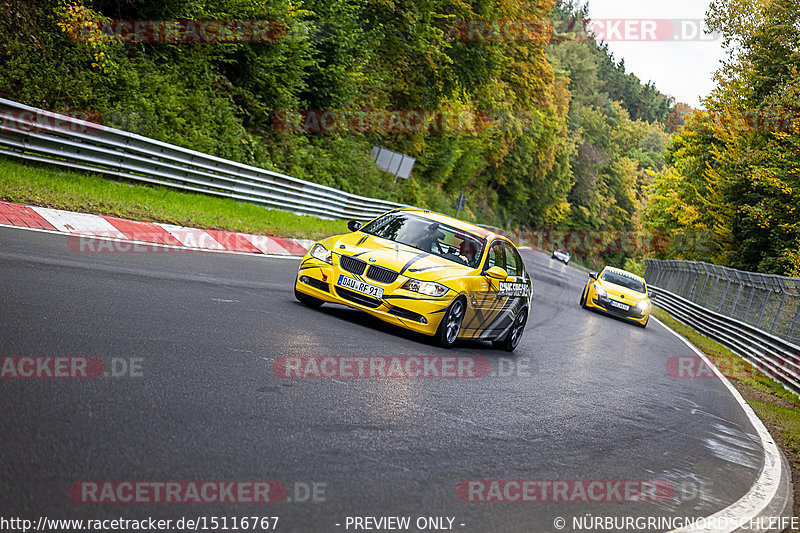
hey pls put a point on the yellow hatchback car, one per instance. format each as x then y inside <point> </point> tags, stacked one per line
<point>619,293</point>
<point>425,272</point>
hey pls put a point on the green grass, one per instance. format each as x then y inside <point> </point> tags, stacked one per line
<point>788,420</point>
<point>47,186</point>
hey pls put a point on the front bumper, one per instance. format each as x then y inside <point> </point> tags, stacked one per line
<point>604,304</point>
<point>407,309</point>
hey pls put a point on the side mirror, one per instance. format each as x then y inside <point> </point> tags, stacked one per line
<point>593,275</point>
<point>497,273</point>
<point>354,225</point>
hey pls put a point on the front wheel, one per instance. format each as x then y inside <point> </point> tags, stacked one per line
<point>584,294</point>
<point>450,326</point>
<point>305,299</point>
<point>514,335</point>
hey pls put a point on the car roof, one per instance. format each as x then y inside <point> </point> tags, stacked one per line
<point>624,273</point>
<point>450,221</point>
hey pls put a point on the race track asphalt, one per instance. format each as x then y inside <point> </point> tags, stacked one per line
<point>585,397</point>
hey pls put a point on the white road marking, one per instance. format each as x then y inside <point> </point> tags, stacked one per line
<point>193,238</point>
<point>82,223</point>
<point>766,486</point>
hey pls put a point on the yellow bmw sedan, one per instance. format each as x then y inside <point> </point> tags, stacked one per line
<point>425,272</point>
<point>618,293</point>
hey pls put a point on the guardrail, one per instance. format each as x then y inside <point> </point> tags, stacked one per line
<point>777,357</point>
<point>768,302</point>
<point>774,356</point>
<point>38,135</point>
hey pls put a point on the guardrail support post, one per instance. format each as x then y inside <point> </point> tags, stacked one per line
<point>763,308</point>
<point>691,282</point>
<point>777,313</point>
<point>724,294</point>
<point>703,289</point>
<point>794,324</point>
<point>713,290</point>
<point>749,303</point>
<point>736,301</point>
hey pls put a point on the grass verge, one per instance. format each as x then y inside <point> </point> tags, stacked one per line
<point>778,408</point>
<point>46,186</point>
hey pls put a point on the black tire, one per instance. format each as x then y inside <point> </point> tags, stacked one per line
<point>512,337</point>
<point>305,299</point>
<point>449,328</point>
<point>583,298</point>
<point>645,323</point>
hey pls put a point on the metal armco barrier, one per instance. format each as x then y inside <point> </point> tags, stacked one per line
<point>777,357</point>
<point>768,302</point>
<point>38,135</point>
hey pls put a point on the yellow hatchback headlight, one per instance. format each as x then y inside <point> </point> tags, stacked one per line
<point>599,290</point>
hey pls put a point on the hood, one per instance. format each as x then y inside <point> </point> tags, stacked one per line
<point>406,260</point>
<point>618,292</point>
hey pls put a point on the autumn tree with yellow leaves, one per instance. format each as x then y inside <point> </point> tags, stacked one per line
<point>731,191</point>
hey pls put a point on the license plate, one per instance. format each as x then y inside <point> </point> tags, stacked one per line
<point>360,286</point>
<point>620,306</point>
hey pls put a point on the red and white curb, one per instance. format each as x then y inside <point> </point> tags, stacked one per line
<point>89,227</point>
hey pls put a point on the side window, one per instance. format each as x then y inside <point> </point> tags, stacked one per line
<point>513,261</point>
<point>495,257</point>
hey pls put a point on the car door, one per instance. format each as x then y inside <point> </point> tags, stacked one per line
<point>487,304</point>
<point>516,287</point>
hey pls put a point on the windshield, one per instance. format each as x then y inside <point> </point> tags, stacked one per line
<point>428,236</point>
<point>623,280</point>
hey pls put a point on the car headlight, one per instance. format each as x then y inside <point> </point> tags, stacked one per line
<point>320,252</point>
<point>600,291</point>
<point>644,305</point>
<point>425,287</point>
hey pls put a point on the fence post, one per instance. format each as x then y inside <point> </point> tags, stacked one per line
<point>705,282</point>
<point>763,307</point>
<point>790,335</point>
<point>777,313</point>
<point>713,290</point>
<point>749,303</point>
<point>724,294</point>
<point>736,301</point>
<point>691,282</point>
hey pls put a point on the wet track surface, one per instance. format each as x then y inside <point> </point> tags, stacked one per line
<point>587,397</point>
